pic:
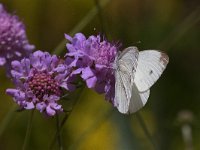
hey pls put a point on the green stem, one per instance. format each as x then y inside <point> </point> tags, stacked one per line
<point>7,119</point>
<point>58,131</point>
<point>145,129</point>
<point>28,131</point>
<point>57,134</point>
<point>82,24</point>
<point>63,122</point>
<point>101,18</point>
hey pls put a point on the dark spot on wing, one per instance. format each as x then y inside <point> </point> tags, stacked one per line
<point>151,71</point>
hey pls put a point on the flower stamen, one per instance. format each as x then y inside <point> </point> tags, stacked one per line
<point>43,84</point>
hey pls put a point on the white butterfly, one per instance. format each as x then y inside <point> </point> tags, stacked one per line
<point>135,73</point>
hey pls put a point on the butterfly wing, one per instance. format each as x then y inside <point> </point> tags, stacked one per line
<point>151,64</point>
<point>138,99</point>
<point>126,64</point>
<point>135,75</point>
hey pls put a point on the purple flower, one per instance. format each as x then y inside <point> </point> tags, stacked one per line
<point>93,58</point>
<point>39,81</point>
<point>13,41</point>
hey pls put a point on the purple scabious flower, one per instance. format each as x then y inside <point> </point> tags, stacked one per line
<point>13,41</point>
<point>93,58</point>
<point>40,80</point>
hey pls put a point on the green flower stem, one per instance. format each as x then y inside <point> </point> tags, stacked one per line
<point>145,129</point>
<point>7,119</point>
<point>81,25</point>
<point>64,120</point>
<point>58,131</point>
<point>28,131</point>
<point>101,17</point>
<point>58,135</point>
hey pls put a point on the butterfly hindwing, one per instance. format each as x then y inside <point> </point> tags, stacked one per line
<point>138,99</point>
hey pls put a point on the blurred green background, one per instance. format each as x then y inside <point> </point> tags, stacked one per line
<point>172,26</point>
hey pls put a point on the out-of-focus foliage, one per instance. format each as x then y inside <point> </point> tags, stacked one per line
<point>168,25</point>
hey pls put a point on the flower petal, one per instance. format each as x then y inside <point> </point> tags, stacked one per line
<point>29,105</point>
<point>87,73</point>
<point>41,106</point>
<point>91,82</point>
<point>50,111</point>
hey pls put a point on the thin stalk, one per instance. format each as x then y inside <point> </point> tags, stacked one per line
<point>145,129</point>
<point>58,135</point>
<point>101,18</point>
<point>63,122</point>
<point>7,119</point>
<point>58,131</point>
<point>28,131</point>
<point>81,25</point>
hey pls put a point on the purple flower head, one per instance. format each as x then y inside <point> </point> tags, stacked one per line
<point>93,58</point>
<point>39,80</point>
<point>13,41</point>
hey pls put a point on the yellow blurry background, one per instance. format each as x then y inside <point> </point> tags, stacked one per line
<point>168,25</point>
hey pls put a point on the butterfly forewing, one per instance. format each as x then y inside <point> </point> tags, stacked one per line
<point>124,75</point>
<point>128,59</point>
<point>151,64</point>
<point>122,92</point>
